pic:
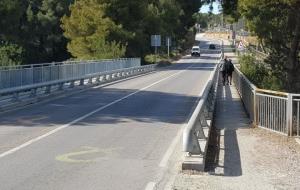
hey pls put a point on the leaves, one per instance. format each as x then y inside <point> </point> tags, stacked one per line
<point>88,30</point>
<point>10,54</point>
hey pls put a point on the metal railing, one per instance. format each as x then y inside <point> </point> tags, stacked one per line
<point>23,75</point>
<point>272,110</point>
<point>16,95</point>
<point>258,54</point>
<point>196,132</point>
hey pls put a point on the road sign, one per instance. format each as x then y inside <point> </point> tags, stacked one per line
<point>155,40</point>
<point>241,46</point>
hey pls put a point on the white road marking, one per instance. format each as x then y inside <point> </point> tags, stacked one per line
<point>150,186</point>
<point>167,155</point>
<point>57,105</point>
<point>13,150</point>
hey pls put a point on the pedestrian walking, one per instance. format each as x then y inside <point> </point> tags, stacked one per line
<point>229,69</point>
<point>223,70</point>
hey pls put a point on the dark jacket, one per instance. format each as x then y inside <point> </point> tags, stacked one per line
<point>229,66</point>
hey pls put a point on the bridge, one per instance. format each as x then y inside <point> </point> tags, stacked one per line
<point>116,124</point>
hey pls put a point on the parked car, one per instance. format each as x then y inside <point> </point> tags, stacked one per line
<point>212,46</point>
<point>195,51</point>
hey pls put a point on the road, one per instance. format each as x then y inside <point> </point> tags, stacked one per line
<point>118,136</point>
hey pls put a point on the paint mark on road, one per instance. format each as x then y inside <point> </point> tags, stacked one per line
<point>70,157</point>
<point>85,155</point>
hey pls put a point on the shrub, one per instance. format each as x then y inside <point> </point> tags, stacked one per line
<point>259,74</point>
<point>11,54</point>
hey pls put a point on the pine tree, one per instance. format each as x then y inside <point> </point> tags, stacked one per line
<point>87,28</point>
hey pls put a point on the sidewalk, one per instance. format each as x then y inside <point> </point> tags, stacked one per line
<point>241,157</point>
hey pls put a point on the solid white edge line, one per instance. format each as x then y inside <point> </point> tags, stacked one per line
<point>167,155</point>
<point>11,151</point>
<point>150,186</point>
<point>164,162</point>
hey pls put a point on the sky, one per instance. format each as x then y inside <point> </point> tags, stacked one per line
<point>205,8</point>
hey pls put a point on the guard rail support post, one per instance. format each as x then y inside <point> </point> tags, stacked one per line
<point>255,111</point>
<point>203,123</point>
<point>98,79</point>
<point>90,81</point>
<point>61,86</point>
<point>48,89</point>
<point>72,84</point>
<point>289,116</point>
<point>81,82</point>
<point>33,92</point>
<point>15,97</point>
<point>109,77</point>
<point>103,78</point>
<point>190,143</point>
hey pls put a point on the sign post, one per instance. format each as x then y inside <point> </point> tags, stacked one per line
<point>168,41</point>
<point>155,42</point>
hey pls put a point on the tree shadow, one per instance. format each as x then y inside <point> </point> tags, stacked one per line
<point>144,106</point>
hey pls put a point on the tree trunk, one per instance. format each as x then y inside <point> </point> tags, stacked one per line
<point>293,65</point>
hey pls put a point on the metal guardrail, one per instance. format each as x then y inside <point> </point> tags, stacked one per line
<point>15,95</point>
<point>258,54</point>
<point>196,132</point>
<point>272,110</point>
<point>16,76</point>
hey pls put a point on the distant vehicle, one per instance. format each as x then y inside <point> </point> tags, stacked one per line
<point>212,46</point>
<point>195,51</point>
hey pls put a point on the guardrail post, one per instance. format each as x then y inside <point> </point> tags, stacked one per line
<point>103,78</point>
<point>81,82</point>
<point>15,97</point>
<point>98,79</point>
<point>33,92</point>
<point>72,84</point>
<point>109,78</point>
<point>255,110</point>
<point>289,115</point>
<point>90,81</point>
<point>48,89</point>
<point>61,86</point>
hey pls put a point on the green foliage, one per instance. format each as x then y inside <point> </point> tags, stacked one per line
<point>35,25</point>
<point>259,74</point>
<point>10,54</point>
<point>280,33</point>
<point>202,19</point>
<point>152,58</point>
<point>277,25</point>
<point>140,19</point>
<point>208,19</point>
<point>88,30</point>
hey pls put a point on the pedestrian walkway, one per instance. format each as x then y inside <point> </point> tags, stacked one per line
<point>241,156</point>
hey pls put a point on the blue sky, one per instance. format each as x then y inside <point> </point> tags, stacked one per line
<point>205,8</point>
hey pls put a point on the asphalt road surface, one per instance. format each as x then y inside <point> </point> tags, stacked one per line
<point>116,137</point>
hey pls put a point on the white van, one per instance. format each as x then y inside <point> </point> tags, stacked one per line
<point>195,51</point>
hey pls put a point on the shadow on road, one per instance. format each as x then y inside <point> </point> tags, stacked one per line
<point>138,107</point>
<point>144,106</point>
